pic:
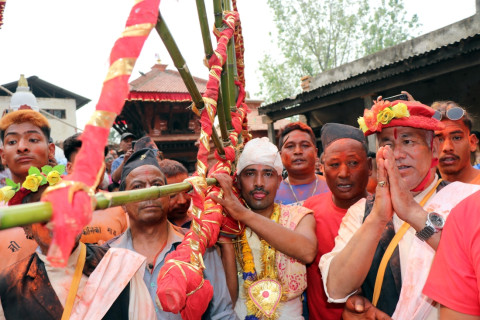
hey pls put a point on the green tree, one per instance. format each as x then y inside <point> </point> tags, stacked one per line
<point>314,36</point>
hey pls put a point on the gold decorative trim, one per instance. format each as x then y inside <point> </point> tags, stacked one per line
<point>102,118</point>
<point>121,67</point>
<point>138,30</point>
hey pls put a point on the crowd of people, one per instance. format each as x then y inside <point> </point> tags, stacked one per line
<point>344,234</point>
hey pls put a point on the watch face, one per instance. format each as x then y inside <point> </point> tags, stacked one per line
<point>436,220</point>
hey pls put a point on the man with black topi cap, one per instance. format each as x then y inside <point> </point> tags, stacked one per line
<point>346,170</point>
<point>151,235</point>
<point>126,146</point>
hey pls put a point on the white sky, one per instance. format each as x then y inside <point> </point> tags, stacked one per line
<point>67,43</point>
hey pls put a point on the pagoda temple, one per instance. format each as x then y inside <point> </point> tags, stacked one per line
<point>158,106</point>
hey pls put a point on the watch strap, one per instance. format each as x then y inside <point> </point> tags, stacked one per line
<point>425,233</point>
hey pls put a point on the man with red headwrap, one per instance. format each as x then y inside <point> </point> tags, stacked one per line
<point>395,234</point>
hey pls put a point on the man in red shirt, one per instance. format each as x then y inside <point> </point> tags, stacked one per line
<point>346,168</point>
<point>453,280</point>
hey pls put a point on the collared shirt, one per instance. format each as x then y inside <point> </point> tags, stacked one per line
<point>221,305</point>
<point>352,221</point>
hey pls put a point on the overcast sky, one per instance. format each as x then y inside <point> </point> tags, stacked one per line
<point>67,43</point>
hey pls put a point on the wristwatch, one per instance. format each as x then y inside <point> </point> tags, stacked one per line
<point>434,224</point>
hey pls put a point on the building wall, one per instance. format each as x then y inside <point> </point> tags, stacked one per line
<point>60,131</point>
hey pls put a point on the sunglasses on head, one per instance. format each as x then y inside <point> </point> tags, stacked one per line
<point>455,113</point>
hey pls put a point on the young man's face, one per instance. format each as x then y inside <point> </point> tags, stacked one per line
<point>456,144</point>
<point>347,169</point>
<point>179,202</point>
<point>258,186</point>
<point>298,153</point>
<point>150,211</point>
<point>413,155</point>
<point>24,146</point>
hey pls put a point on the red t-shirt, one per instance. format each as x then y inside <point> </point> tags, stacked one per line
<point>328,218</point>
<point>454,278</point>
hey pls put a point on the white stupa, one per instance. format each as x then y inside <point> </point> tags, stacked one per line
<point>23,97</point>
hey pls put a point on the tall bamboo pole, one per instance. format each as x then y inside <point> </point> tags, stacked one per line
<point>182,68</point>
<point>224,81</point>
<point>208,48</point>
<point>25,214</point>
<point>231,67</point>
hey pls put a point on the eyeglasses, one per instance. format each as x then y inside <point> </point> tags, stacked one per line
<point>455,113</point>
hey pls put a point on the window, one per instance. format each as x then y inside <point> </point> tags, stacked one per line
<point>59,113</point>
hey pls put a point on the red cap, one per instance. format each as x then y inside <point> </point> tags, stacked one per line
<point>399,113</point>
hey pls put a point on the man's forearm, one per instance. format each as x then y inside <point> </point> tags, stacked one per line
<point>117,174</point>
<point>293,244</point>
<point>350,266</point>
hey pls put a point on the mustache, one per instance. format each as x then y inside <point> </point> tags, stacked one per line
<point>449,156</point>
<point>259,189</point>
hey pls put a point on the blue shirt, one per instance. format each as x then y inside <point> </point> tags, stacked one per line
<point>116,163</point>
<point>220,306</point>
<point>297,194</point>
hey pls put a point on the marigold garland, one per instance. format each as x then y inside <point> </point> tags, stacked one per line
<point>269,271</point>
<point>33,181</point>
<point>381,114</point>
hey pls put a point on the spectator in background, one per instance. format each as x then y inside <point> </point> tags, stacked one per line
<point>299,153</point>
<point>179,210</point>
<point>126,147</point>
<point>105,224</point>
<point>108,166</point>
<point>457,143</point>
<point>476,156</point>
<point>372,180</point>
<point>346,170</point>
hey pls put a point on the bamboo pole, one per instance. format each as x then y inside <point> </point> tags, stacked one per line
<point>25,214</point>
<point>208,48</point>
<point>182,68</point>
<point>230,67</point>
<point>227,102</point>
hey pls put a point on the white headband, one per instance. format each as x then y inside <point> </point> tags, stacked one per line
<point>260,151</point>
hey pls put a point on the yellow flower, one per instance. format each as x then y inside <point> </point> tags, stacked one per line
<point>6,193</point>
<point>32,182</point>
<point>363,126</point>
<point>385,116</point>
<point>53,177</point>
<point>400,110</point>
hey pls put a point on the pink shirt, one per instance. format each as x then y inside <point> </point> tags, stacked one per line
<point>454,278</point>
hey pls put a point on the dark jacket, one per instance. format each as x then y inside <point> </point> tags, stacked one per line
<point>26,292</point>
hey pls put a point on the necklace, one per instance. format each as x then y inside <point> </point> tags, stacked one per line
<point>263,292</point>
<point>293,192</point>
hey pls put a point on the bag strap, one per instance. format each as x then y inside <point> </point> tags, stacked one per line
<point>77,276</point>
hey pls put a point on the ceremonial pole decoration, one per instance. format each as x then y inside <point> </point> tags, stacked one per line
<point>2,8</point>
<point>181,287</point>
<point>69,217</point>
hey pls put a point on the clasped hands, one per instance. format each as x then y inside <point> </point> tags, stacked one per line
<point>392,194</point>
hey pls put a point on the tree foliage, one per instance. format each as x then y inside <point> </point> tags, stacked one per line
<point>314,36</point>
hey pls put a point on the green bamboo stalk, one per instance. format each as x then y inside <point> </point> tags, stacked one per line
<point>207,44</point>
<point>178,61</point>
<point>20,215</point>
<point>224,87</point>
<point>182,68</point>
<point>231,69</point>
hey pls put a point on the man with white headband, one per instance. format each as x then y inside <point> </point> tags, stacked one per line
<point>277,242</point>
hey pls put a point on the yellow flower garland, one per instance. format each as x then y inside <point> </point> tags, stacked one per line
<point>269,270</point>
